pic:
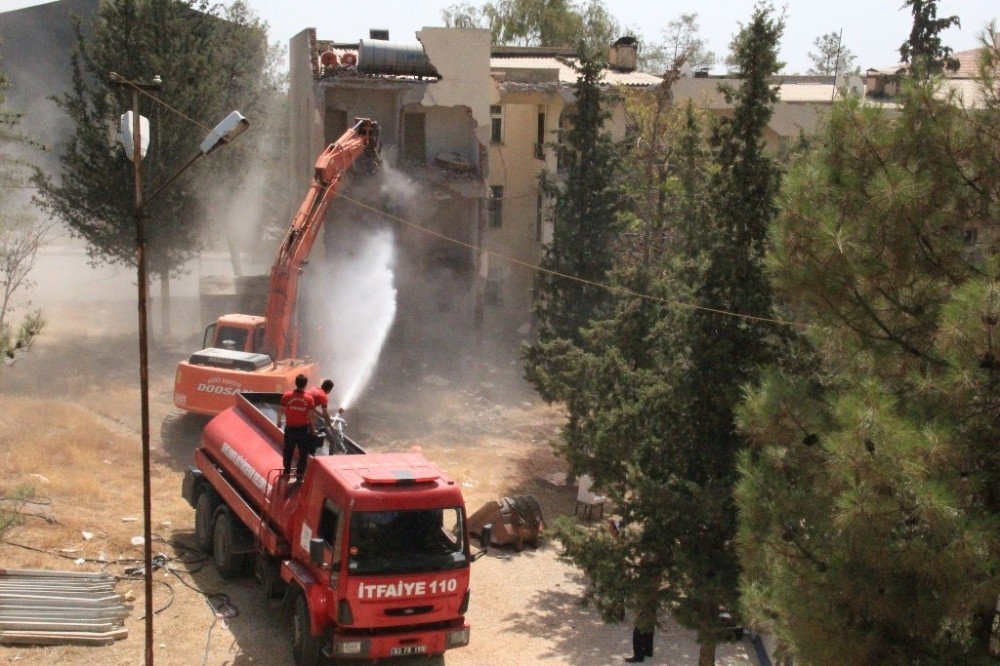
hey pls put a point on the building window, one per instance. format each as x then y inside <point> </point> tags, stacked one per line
<point>540,134</point>
<point>496,123</point>
<point>496,205</point>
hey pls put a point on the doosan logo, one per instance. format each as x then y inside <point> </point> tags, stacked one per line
<point>217,389</point>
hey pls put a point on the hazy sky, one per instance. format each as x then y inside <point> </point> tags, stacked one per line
<point>873,29</point>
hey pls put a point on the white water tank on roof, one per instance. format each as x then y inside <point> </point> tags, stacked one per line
<point>376,56</point>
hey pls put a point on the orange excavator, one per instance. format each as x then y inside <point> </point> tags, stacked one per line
<point>252,353</point>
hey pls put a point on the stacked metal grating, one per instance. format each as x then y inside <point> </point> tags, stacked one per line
<point>39,607</point>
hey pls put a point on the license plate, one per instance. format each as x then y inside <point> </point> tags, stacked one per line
<point>408,649</point>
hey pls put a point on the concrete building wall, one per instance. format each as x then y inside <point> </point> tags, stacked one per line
<point>516,164</point>
<point>306,121</point>
<point>462,58</point>
<point>452,129</point>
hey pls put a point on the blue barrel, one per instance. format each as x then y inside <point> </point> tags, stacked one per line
<point>376,56</point>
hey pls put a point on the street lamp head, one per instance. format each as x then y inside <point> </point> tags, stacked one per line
<point>157,81</point>
<point>231,127</point>
<point>127,134</point>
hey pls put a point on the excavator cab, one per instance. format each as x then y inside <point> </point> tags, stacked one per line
<point>235,334</point>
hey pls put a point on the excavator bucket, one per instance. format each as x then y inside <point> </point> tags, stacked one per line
<point>517,521</point>
<point>370,161</point>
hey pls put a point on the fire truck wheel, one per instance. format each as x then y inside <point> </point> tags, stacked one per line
<point>229,564</point>
<point>270,576</point>
<point>208,502</point>
<point>306,648</point>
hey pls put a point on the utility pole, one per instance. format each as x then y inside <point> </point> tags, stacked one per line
<point>231,127</point>
<point>140,241</point>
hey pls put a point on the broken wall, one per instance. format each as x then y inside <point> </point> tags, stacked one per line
<point>344,103</point>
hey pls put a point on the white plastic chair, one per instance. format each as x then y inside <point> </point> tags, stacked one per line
<point>587,499</point>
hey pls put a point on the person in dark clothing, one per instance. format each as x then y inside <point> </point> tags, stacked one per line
<point>296,411</point>
<point>647,606</point>
<point>642,646</point>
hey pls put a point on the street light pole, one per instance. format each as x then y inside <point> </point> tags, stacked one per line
<point>140,241</point>
<point>231,127</point>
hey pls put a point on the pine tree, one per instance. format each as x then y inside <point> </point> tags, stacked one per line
<point>211,61</point>
<point>831,57</point>
<point>870,502</point>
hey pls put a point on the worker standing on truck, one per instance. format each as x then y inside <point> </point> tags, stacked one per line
<point>296,411</point>
<point>321,416</point>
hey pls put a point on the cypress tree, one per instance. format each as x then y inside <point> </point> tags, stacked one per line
<point>652,391</point>
<point>924,50</point>
<point>586,213</point>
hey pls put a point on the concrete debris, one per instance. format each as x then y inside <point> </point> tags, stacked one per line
<point>39,607</point>
<point>87,536</point>
<point>130,519</point>
<point>454,161</point>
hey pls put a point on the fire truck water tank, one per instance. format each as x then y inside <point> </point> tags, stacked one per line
<point>376,56</point>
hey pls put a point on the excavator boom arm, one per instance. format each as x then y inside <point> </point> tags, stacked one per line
<point>280,331</point>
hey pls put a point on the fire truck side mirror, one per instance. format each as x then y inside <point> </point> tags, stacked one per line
<point>317,553</point>
<point>485,538</point>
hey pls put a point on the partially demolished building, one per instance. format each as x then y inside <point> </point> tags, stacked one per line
<point>466,131</point>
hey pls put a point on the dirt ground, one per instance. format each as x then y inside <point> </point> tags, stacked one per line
<point>69,437</point>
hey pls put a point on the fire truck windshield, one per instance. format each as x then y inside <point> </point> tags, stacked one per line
<point>383,542</point>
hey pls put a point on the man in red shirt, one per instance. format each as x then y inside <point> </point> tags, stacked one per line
<point>321,417</point>
<point>296,411</point>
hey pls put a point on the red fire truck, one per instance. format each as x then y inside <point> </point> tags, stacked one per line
<point>371,551</point>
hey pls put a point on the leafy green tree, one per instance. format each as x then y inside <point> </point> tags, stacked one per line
<point>831,57</point>
<point>20,238</point>
<point>586,213</point>
<point>651,391</point>
<point>561,23</point>
<point>463,15</point>
<point>870,500</point>
<point>212,60</point>
<point>924,50</point>
<point>679,38</point>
